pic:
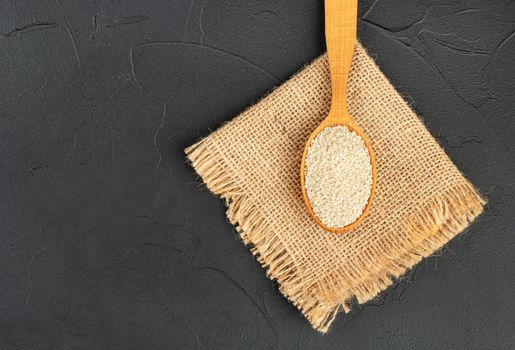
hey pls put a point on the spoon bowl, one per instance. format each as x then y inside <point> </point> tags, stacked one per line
<point>327,123</point>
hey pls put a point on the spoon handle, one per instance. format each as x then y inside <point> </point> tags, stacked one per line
<point>340,35</point>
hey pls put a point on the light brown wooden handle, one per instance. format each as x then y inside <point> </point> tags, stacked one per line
<point>340,35</point>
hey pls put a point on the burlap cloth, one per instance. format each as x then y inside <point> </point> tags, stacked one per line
<point>422,199</point>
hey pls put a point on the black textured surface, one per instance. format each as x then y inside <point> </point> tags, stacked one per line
<point>106,240</point>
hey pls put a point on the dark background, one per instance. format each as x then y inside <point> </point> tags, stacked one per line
<point>107,238</point>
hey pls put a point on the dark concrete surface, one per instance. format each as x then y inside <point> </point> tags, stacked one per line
<point>107,241</point>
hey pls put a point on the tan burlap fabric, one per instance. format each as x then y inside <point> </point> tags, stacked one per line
<point>422,199</point>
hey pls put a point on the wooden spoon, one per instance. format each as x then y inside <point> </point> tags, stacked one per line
<point>340,34</point>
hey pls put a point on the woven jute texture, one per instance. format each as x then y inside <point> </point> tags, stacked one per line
<point>422,199</point>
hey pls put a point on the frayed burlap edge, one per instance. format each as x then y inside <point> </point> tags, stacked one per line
<point>320,300</point>
<point>425,232</point>
<point>255,231</point>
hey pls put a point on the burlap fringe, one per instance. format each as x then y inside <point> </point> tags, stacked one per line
<point>321,299</point>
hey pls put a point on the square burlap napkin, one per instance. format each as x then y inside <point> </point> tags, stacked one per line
<point>422,199</point>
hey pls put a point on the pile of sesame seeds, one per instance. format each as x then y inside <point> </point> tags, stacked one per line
<point>338,176</point>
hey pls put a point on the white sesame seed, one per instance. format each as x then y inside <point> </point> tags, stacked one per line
<point>338,176</point>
